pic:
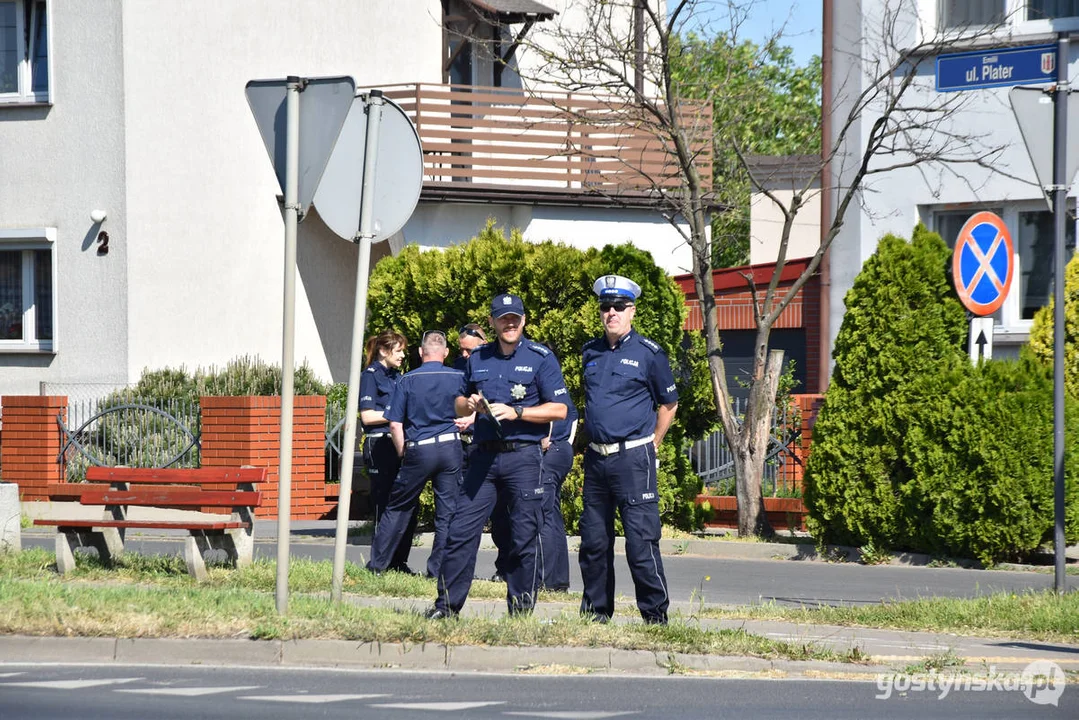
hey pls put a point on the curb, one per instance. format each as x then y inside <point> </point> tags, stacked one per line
<point>398,656</point>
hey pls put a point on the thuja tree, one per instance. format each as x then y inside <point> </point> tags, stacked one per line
<point>443,289</point>
<point>903,321</point>
<point>1041,334</point>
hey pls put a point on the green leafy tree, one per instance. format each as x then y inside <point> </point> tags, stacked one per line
<point>769,105</point>
<point>902,322</point>
<point>443,289</point>
<point>1041,334</point>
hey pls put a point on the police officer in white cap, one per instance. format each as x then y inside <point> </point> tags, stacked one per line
<point>630,401</point>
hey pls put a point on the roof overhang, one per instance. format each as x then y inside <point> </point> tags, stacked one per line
<point>513,12</point>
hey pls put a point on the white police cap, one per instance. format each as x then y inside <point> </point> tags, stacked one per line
<point>616,287</point>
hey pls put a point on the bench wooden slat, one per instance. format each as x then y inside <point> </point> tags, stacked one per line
<point>173,495</point>
<point>165,476</point>
<point>146,524</point>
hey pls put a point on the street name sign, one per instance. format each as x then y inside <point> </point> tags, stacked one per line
<point>1003,67</point>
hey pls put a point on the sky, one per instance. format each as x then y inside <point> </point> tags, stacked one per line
<point>802,19</point>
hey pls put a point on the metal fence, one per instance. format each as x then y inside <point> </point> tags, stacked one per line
<point>119,429</point>
<point>714,462</point>
<point>335,438</point>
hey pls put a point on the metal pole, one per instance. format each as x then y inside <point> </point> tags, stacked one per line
<point>1060,214</point>
<point>359,318</point>
<point>292,208</point>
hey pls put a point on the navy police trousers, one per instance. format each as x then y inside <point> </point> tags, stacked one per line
<point>554,546</point>
<point>440,461</point>
<point>625,480</point>
<point>513,477</point>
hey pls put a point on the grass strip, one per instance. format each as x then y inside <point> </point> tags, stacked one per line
<point>42,607</point>
<point>1035,615</point>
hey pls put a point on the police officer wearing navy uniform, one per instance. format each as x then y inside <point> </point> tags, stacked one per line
<point>422,414</point>
<point>557,462</point>
<point>516,388</point>
<point>630,401</point>
<point>385,355</point>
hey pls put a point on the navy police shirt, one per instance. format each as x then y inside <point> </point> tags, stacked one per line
<point>623,386</point>
<point>376,386</point>
<point>528,376</point>
<point>562,428</point>
<point>423,401</point>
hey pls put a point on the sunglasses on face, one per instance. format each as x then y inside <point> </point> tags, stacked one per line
<point>617,307</point>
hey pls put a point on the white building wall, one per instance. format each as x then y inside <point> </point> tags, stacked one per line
<point>202,193</point>
<point>59,162</point>
<point>897,200</point>
<point>766,227</point>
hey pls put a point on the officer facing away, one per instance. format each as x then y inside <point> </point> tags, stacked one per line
<point>421,414</point>
<point>630,401</point>
<point>516,388</point>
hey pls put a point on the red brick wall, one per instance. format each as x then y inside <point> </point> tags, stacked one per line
<point>809,406</point>
<point>30,443</point>
<point>246,431</point>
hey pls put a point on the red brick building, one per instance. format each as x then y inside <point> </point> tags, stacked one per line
<point>797,331</point>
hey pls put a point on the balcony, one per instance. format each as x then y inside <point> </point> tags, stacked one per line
<point>485,144</point>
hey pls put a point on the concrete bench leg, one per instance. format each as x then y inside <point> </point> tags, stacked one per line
<point>109,543</point>
<point>238,544</point>
<point>194,545</point>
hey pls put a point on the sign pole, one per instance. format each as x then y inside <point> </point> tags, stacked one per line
<point>292,207</point>
<point>359,319</point>
<point>1060,214</point>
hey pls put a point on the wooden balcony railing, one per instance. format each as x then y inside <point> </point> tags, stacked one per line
<point>499,137</point>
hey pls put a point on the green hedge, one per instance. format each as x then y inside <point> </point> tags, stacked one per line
<point>914,448</point>
<point>443,289</point>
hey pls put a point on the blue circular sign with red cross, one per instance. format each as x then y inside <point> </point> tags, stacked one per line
<point>983,263</point>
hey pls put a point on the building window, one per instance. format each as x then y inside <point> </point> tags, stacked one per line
<point>1033,237</point>
<point>27,290</point>
<point>24,51</point>
<point>1050,9</point>
<point>1034,244</point>
<point>967,13</point>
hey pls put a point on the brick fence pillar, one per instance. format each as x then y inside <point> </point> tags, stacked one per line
<point>809,405</point>
<point>30,443</point>
<point>246,431</point>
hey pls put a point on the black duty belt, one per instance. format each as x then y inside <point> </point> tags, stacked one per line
<point>497,446</point>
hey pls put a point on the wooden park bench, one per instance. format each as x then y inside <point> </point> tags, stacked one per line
<point>118,489</point>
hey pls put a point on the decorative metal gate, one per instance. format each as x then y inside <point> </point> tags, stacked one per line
<point>130,433</point>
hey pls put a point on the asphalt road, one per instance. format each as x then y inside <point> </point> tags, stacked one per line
<point>718,581</point>
<point>37,692</point>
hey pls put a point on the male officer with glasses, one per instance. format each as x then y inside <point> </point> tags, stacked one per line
<point>421,414</point>
<point>516,388</point>
<point>630,401</point>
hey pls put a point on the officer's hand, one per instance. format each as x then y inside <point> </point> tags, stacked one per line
<point>475,403</point>
<point>503,411</point>
<point>464,423</point>
<point>545,443</point>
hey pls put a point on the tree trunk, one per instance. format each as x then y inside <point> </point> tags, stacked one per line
<point>751,447</point>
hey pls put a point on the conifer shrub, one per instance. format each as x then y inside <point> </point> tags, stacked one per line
<point>902,322</point>
<point>982,457</point>
<point>418,290</point>
<point>915,448</point>
<point>1041,334</point>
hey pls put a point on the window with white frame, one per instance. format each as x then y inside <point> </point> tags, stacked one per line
<point>959,14</point>
<point>27,290</point>
<point>1052,9</point>
<point>1033,236</point>
<point>24,51</point>
<point>971,13</point>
